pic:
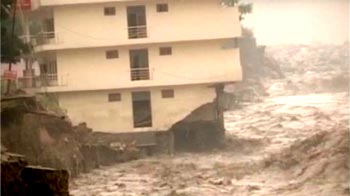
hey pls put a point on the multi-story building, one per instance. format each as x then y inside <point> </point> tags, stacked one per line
<point>134,65</point>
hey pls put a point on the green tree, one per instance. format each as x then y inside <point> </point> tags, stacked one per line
<point>244,8</point>
<point>11,46</point>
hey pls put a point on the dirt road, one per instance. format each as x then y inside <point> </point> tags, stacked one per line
<point>293,145</point>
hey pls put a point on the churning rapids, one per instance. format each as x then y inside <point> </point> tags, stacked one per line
<point>284,145</point>
<point>250,165</point>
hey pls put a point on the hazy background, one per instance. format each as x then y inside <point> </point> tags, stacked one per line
<point>278,22</point>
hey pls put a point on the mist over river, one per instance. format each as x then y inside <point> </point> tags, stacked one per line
<point>278,22</point>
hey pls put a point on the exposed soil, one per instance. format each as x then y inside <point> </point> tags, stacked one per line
<point>49,140</point>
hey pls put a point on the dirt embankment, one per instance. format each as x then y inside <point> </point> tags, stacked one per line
<point>50,140</point>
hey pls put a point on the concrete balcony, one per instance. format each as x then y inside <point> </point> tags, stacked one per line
<point>85,26</point>
<point>45,3</point>
<point>28,39</point>
<point>43,40</point>
<point>42,81</point>
<point>138,78</point>
<point>189,63</point>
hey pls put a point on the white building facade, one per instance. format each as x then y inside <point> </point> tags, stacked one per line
<point>134,65</point>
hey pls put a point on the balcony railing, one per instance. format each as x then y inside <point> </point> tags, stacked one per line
<point>28,39</point>
<point>46,38</point>
<point>44,80</point>
<point>140,74</point>
<point>137,32</point>
<point>41,38</point>
<point>48,80</point>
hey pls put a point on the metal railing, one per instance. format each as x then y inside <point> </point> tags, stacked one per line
<point>146,122</point>
<point>46,38</point>
<point>137,31</point>
<point>140,74</point>
<point>41,38</point>
<point>49,79</point>
<point>44,80</point>
<point>28,39</point>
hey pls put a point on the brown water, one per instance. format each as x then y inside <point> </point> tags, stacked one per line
<point>255,134</point>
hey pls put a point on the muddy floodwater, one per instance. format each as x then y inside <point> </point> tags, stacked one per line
<point>283,145</point>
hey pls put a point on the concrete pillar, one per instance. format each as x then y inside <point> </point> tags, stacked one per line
<point>28,73</point>
<point>219,104</point>
<point>26,31</point>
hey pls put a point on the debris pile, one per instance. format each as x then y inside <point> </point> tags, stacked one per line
<point>18,178</point>
<point>201,130</point>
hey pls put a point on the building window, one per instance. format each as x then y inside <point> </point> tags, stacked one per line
<point>49,27</point>
<point>112,54</point>
<point>162,7</point>
<point>165,51</point>
<point>112,97</point>
<point>136,20</point>
<point>168,93</point>
<point>109,11</point>
<point>48,73</point>
<point>141,109</point>
<point>139,65</point>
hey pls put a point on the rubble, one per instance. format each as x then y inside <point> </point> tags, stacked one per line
<point>199,131</point>
<point>203,129</point>
<point>19,178</point>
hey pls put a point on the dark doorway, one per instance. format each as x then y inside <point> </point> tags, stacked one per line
<point>141,107</point>
<point>137,27</point>
<point>139,68</point>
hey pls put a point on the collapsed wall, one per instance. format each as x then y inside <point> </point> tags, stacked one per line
<point>50,140</point>
<point>202,129</point>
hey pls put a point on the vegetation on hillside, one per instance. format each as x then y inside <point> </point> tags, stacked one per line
<point>11,45</point>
